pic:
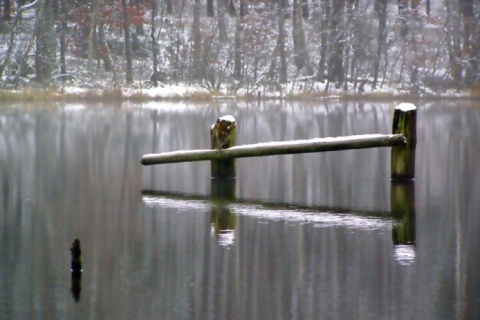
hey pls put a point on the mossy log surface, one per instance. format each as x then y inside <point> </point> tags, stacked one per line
<point>278,148</point>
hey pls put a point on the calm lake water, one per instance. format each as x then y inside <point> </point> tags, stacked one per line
<point>317,236</point>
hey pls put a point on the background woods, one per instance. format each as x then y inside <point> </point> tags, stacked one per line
<point>358,45</point>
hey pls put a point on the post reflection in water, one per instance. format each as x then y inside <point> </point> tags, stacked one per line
<point>403,211</point>
<point>223,220</point>
<point>225,207</point>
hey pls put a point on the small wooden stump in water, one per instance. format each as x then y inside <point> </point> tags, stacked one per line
<point>76,252</point>
<point>403,157</point>
<point>223,135</point>
<point>76,269</point>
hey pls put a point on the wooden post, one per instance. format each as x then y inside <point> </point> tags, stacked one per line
<point>223,135</point>
<point>403,157</point>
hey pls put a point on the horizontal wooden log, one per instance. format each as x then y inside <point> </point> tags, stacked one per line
<point>278,148</point>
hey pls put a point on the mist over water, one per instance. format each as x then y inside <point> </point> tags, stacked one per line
<point>312,236</point>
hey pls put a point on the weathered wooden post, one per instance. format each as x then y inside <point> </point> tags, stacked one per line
<point>403,157</point>
<point>223,135</point>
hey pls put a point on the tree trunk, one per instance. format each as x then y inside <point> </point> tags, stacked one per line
<point>197,44</point>
<point>45,55</point>
<point>7,9</point>
<point>231,8</point>
<point>355,41</point>
<point>470,40</point>
<point>11,40</point>
<point>169,6</point>
<point>237,56</point>
<point>104,51</point>
<point>91,35</point>
<point>381,12</point>
<point>324,31</point>
<point>222,26</point>
<point>128,45</point>
<point>63,45</point>
<point>335,68</point>
<point>210,9</point>
<point>243,9</point>
<point>139,30</point>
<point>402,15</point>
<point>453,33</point>
<point>300,48</point>
<point>279,52</point>
<point>305,9</point>
<point>281,48</point>
<point>154,77</point>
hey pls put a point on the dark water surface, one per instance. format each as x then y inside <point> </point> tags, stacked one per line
<point>317,236</point>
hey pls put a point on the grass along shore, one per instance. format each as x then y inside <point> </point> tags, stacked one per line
<point>167,92</point>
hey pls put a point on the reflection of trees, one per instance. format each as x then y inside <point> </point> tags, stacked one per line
<point>67,180</point>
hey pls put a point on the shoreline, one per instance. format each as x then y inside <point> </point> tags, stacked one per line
<point>181,93</point>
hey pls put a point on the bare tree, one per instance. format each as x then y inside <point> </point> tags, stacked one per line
<point>91,36</point>
<point>238,42</point>
<point>354,42</point>
<point>45,55</point>
<point>128,45</point>
<point>11,41</point>
<point>154,77</point>
<point>7,9</point>
<point>300,48</point>
<point>197,44</point>
<point>335,63</point>
<point>210,9</point>
<point>280,45</point>
<point>453,36</point>
<point>63,32</point>
<point>470,39</point>
<point>169,6</point>
<point>381,12</point>
<point>402,15</point>
<point>102,47</point>
<point>325,33</point>
<point>305,9</point>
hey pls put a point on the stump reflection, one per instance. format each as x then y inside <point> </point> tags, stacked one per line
<point>222,219</point>
<point>403,211</point>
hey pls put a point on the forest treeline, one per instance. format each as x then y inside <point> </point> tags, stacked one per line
<point>417,45</point>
